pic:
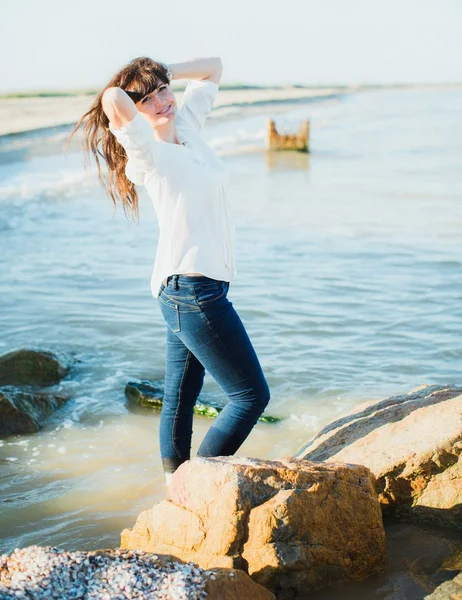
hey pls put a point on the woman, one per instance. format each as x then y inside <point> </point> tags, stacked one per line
<point>145,139</point>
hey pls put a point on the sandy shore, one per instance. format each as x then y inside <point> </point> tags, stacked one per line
<point>26,114</point>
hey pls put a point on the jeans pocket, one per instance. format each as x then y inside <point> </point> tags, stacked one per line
<point>171,313</point>
<point>207,293</point>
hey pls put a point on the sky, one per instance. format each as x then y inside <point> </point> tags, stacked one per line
<point>51,44</point>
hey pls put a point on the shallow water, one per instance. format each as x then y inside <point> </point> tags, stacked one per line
<point>349,283</point>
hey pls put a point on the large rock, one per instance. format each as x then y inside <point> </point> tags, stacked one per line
<point>292,525</point>
<point>32,368</point>
<point>24,412</point>
<point>413,445</point>
<point>44,572</point>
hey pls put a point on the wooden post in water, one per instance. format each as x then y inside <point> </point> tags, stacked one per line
<point>298,141</point>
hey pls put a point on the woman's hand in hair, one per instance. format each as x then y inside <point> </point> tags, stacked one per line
<point>199,68</point>
<point>118,107</point>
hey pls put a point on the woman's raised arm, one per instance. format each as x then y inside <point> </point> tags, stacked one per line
<point>118,107</point>
<point>199,68</point>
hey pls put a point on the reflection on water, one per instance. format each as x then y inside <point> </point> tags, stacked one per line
<point>286,161</point>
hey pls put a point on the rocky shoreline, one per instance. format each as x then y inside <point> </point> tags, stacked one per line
<point>314,525</point>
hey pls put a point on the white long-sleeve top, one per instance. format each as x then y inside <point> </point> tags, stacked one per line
<point>188,187</point>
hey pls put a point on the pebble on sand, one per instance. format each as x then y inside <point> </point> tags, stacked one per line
<point>45,572</point>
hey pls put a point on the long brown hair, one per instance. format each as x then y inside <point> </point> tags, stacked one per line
<point>141,76</point>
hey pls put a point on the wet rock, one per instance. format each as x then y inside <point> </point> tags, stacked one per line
<point>234,584</point>
<point>44,572</point>
<point>292,525</point>
<point>450,590</point>
<point>413,445</point>
<point>420,557</point>
<point>24,412</point>
<point>29,367</point>
<point>144,394</point>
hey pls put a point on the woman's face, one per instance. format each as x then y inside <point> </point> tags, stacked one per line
<point>159,107</point>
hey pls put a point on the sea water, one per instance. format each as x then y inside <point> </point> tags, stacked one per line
<point>349,283</point>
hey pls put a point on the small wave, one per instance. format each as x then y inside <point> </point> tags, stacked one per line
<point>277,98</point>
<point>27,139</point>
<point>21,147</point>
<point>48,185</point>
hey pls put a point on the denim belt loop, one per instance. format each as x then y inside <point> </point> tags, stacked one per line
<point>176,287</point>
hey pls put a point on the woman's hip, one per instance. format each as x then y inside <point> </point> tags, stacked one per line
<point>191,293</point>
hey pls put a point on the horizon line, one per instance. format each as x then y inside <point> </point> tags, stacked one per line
<point>92,90</point>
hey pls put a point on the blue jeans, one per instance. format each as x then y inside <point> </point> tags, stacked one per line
<point>205,332</point>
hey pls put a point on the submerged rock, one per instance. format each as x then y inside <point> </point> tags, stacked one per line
<point>29,367</point>
<point>24,412</point>
<point>413,445</point>
<point>292,525</point>
<point>44,572</point>
<point>144,394</point>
